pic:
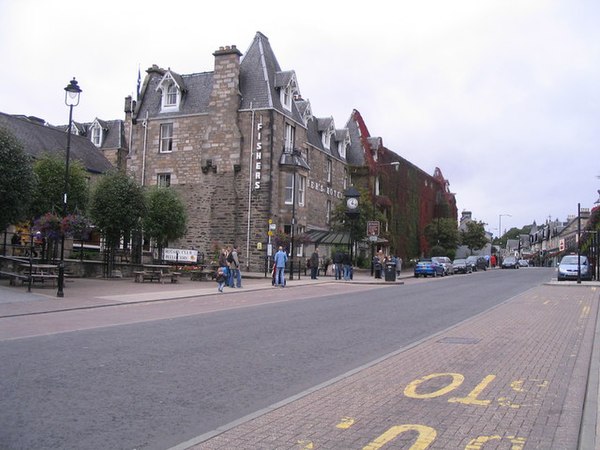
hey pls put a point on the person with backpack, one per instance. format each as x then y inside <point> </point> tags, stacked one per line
<point>234,266</point>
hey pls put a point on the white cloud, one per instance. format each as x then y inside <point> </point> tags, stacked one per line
<point>502,96</point>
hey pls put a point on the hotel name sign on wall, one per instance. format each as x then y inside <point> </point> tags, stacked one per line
<point>322,187</point>
<point>258,156</point>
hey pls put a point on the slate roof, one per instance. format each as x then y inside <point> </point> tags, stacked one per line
<point>113,132</point>
<point>196,95</point>
<point>261,79</point>
<point>38,139</point>
<point>261,75</point>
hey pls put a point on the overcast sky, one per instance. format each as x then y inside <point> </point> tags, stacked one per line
<point>502,95</point>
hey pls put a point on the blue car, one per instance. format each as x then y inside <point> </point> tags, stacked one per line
<point>427,267</point>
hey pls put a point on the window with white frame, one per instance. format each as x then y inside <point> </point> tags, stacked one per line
<point>328,212</point>
<point>329,171</point>
<point>97,135</point>
<point>171,95</point>
<point>326,138</point>
<point>342,149</point>
<point>163,179</point>
<point>289,188</point>
<point>377,186</point>
<point>290,134</point>
<point>345,178</point>
<point>287,95</point>
<point>301,190</point>
<point>166,137</point>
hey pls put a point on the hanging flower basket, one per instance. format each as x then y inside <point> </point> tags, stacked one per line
<point>77,226</point>
<point>49,225</point>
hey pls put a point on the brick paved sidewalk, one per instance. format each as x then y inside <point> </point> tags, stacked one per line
<point>513,377</point>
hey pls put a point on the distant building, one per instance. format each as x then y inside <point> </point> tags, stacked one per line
<point>39,139</point>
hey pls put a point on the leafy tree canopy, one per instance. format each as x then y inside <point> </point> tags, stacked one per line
<point>443,232</point>
<point>48,197</point>
<point>17,182</point>
<point>117,205</point>
<point>166,217</point>
<point>474,236</point>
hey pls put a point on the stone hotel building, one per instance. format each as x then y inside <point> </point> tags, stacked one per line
<point>234,140</point>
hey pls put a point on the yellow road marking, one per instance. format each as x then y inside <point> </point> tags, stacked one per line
<point>426,435</point>
<point>471,398</point>
<point>346,423</point>
<point>411,389</point>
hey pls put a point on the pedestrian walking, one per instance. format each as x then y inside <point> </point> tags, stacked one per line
<point>398,266</point>
<point>223,267</point>
<point>338,258</point>
<point>235,266</point>
<point>314,264</point>
<point>347,265</point>
<point>280,260</point>
<point>221,279</point>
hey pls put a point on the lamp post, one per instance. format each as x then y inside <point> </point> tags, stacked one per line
<point>578,243</point>
<point>72,92</point>
<point>500,228</point>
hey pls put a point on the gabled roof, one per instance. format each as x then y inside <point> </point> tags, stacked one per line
<point>194,99</point>
<point>113,130</point>
<point>261,78</point>
<point>38,139</point>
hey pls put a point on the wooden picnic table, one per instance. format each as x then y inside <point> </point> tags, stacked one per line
<point>40,273</point>
<point>205,273</point>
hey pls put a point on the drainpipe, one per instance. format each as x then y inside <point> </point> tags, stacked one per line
<point>145,125</point>
<point>250,191</point>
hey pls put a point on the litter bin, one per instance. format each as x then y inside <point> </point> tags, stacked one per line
<point>390,271</point>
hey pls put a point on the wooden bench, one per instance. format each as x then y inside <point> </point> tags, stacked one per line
<point>141,276</point>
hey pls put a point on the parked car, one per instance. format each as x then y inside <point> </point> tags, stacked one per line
<point>523,263</point>
<point>567,268</point>
<point>446,263</point>
<point>510,262</point>
<point>477,263</point>
<point>426,267</point>
<point>461,266</point>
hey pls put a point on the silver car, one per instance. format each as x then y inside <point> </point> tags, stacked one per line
<point>567,269</point>
<point>446,262</point>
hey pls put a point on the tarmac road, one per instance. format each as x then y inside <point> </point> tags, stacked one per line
<point>516,374</point>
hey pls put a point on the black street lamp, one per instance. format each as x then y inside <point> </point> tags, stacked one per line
<point>72,92</point>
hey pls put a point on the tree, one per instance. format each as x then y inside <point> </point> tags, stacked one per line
<point>165,217</point>
<point>117,206</point>
<point>443,232</point>
<point>48,197</point>
<point>17,183</point>
<point>474,236</point>
<point>357,227</point>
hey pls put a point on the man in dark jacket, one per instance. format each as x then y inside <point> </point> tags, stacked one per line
<point>338,260</point>
<point>314,264</point>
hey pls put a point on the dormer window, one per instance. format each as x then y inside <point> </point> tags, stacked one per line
<point>171,89</point>
<point>287,97</point>
<point>96,135</point>
<point>288,88</point>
